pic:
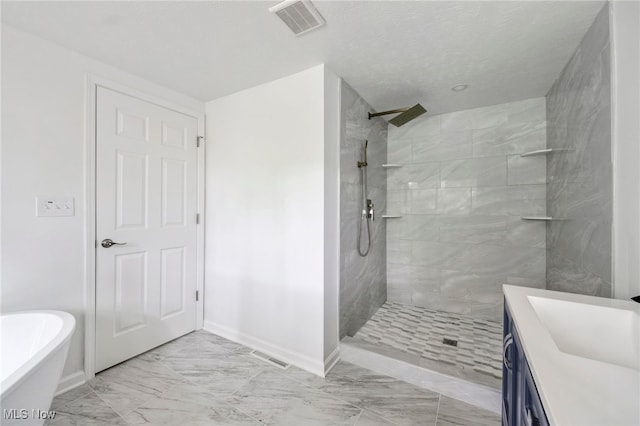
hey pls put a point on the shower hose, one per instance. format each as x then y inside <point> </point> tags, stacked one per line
<point>364,217</point>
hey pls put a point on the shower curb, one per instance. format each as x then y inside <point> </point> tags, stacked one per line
<point>363,355</point>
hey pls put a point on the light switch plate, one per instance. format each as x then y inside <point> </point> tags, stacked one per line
<point>54,206</point>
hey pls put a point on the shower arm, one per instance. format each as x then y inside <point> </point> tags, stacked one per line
<point>392,111</point>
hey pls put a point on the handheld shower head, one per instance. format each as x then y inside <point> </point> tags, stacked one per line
<point>363,163</point>
<point>405,116</point>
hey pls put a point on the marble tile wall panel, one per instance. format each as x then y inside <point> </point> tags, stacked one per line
<point>474,172</point>
<point>580,188</point>
<point>363,284</point>
<point>462,191</point>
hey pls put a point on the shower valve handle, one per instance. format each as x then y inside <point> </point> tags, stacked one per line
<point>371,211</point>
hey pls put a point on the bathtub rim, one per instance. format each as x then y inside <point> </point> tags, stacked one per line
<point>63,336</point>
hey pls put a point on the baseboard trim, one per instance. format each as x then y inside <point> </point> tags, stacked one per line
<point>70,381</point>
<point>331,360</point>
<point>301,361</point>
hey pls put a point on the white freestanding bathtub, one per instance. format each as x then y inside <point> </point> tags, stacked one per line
<point>33,350</point>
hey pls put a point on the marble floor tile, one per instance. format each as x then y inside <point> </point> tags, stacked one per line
<point>220,375</point>
<point>274,399</point>
<point>87,410</point>
<point>187,405</point>
<point>127,385</point>
<point>199,344</point>
<point>369,419</point>
<point>203,379</point>
<point>457,413</point>
<point>70,396</point>
<point>398,401</point>
<point>395,400</point>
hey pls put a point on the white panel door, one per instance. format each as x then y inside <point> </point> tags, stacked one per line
<point>146,180</point>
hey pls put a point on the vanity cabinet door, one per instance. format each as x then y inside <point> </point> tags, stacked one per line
<point>532,413</point>
<point>510,385</point>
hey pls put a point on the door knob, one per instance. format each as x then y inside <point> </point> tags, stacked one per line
<point>106,243</point>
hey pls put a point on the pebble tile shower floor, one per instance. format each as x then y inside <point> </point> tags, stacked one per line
<point>203,379</point>
<point>420,332</point>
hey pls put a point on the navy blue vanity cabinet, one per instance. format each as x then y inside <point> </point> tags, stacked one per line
<point>510,366</point>
<point>532,413</point>
<point>521,404</point>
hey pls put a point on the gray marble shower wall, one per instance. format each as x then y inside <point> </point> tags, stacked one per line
<point>461,191</point>
<point>363,280</point>
<point>580,182</point>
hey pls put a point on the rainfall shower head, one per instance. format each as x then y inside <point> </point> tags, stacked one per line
<point>406,114</point>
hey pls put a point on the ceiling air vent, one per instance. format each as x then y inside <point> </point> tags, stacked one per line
<point>299,15</point>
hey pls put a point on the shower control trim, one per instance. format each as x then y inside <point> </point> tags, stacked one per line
<point>370,210</point>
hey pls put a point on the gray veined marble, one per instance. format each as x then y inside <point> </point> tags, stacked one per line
<point>461,236</point>
<point>400,402</point>
<point>447,146</point>
<point>474,172</point>
<point>454,201</point>
<point>518,200</point>
<point>526,170</point>
<point>187,405</point>
<point>348,395</point>
<point>525,233</point>
<point>473,229</point>
<point>276,400</point>
<point>87,410</point>
<point>452,412</point>
<point>369,419</point>
<point>580,188</point>
<point>423,176</point>
<point>423,201</point>
<point>133,382</point>
<point>527,111</point>
<point>456,121</point>
<point>363,279</point>
<point>488,117</point>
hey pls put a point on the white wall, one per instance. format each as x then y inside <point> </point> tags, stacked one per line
<point>265,218</point>
<point>625,85</point>
<point>43,153</point>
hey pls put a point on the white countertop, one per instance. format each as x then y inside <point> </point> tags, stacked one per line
<point>576,390</point>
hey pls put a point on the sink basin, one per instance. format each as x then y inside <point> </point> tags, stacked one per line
<point>599,333</point>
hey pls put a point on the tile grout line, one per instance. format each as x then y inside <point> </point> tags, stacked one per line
<point>109,405</point>
<point>438,409</point>
<point>219,398</point>
<point>358,418</point>
<point>339,399</point>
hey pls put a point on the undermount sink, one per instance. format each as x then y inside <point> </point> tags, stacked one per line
<point>595,332</point>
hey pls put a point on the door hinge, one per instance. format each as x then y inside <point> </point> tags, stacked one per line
<point>199,140</point>
<point>197,295</point>
<point>197,218</point>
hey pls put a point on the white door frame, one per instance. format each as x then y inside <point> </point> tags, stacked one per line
<point>92,83</point>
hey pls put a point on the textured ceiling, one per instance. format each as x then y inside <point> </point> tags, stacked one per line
<point>394,53</point>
